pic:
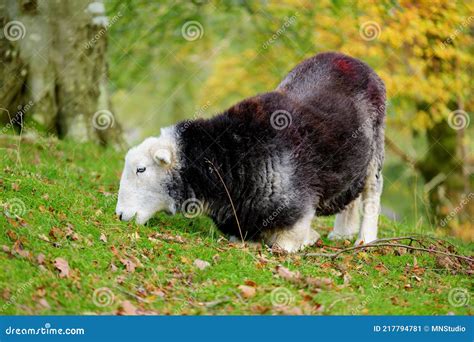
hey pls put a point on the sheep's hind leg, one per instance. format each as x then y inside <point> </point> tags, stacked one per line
<point>370,205</point>
<point>347,223</point>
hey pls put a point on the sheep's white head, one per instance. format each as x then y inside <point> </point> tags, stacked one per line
<point>143,186</point>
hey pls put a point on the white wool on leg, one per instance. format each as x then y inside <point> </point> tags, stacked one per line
<point>370,206</point>
<point>347,223</point>
<point>297,237</point>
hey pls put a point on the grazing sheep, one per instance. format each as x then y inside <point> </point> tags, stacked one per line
<point>266,166</point>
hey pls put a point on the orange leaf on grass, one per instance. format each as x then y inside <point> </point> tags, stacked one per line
<point>286,274</point>
<point>63,267</point>
<point>201,264</point>
<point>247,291</point>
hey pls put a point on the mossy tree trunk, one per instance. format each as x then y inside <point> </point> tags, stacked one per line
<point>54,69</point>
<point>448,185</point>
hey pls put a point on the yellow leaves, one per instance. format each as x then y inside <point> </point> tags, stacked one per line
<point>393,37</point>
<point>290,4</point>
<point>412,53</point>
<point>249,54</point>
<point>363,256</point>
<point>421,120</point>
<point>224,68</point>
<point>418,50</point>
<point>241,69</point>
<point>439,111</point>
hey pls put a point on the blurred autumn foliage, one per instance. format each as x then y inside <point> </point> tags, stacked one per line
<point>423,50</point>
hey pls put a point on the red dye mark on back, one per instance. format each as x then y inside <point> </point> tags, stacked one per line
<point>343,65</point>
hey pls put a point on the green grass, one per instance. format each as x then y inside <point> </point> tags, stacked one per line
<point>65,194</point>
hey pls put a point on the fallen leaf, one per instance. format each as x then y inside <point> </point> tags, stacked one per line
<point>126,308</point>
<point>319,282</point>
<point>18,248</point>
<point>43,237</point>
<point>166,237</point>
<point>114,251</point>
<point>63,266</point>
<point>159,293</point>
<point>201,264</point>
<point>103,238</point>
<point>129,265</point>
<point>12,235</point>
<point>259,309</point>
<point>292,311</point>
<point>286,274</point>
<point>6,294</point>
<point>56,233</point>
<point>381,268</point>
<point>250,283</point>
<point>12,221</point>
<point>40,258</point>
<point>400,251</point>
<point>134,236</point>
<point>70,232</point>
<point>44,303</point>
<point>247,291</point>
<point>445,262</point>
<point>263,260</point>
<point>41,291</point>
<point>418,270</point>
<point>216,258</point>
<point>347,278</point>
<point>185,260</point>
<point>363,255</point>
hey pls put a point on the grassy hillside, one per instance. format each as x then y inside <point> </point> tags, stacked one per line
<point>64,252</point>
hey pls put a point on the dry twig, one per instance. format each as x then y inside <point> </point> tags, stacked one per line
<point>385,243</point>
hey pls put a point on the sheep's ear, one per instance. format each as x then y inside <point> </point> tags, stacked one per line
<point>162,156</point>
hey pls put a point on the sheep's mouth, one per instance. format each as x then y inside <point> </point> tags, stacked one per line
<point>125,217</point>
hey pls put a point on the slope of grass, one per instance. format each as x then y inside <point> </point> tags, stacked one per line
<point>64,252</point>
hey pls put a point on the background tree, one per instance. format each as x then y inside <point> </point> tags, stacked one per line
<point>54,68</point>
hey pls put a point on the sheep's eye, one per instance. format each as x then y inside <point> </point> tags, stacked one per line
<point>141,169</point>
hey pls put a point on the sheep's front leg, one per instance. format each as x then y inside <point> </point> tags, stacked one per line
<point>297,237</point>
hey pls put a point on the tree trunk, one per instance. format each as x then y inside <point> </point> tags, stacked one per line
<point>55,70</point>
<point>443,169</point>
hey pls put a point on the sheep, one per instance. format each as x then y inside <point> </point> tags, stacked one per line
<point>265,167</point>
